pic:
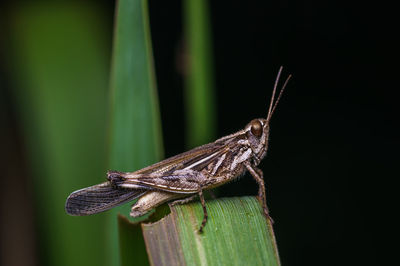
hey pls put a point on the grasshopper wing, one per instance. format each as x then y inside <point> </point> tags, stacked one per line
<point>184,173</point>
<point>178,181</point>
<point>99,198</point>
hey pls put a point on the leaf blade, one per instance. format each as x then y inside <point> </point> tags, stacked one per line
<point>135,127</point>
<point>199,75</point>
<point>236,233</point>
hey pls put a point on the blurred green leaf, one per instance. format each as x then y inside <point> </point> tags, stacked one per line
<point>135,127</point>
<point>60,69</point>
<point>236,233</point>
<point>132,248</point>
<point>199,79</point>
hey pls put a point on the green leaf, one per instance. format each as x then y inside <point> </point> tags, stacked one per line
<point>199,79</point>
<point>60,69</point>
<point>135,128</point>
<point>236,233</point>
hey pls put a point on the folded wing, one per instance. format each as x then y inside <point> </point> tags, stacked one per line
<point>99,198</point>
<point>179,181</point>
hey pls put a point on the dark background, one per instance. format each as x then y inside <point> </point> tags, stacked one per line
<point>335,135</point>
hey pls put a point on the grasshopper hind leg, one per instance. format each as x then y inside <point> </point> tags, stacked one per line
<point>183,201</point>
<point>205,214</point>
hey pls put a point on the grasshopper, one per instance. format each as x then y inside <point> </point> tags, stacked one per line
<point>186,175</point>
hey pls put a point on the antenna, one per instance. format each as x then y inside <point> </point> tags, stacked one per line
<point>272,105</point>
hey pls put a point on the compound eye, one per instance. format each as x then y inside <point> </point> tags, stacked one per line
<point>256,128</point>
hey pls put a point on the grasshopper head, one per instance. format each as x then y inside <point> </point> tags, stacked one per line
<point>257,131</point>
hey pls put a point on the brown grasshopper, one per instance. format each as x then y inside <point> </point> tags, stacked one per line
<point>185,175</point>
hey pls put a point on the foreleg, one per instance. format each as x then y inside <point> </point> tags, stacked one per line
<point>258,176</point>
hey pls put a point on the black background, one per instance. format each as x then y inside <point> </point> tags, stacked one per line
<point>335,135</point>
<point>330,172</point>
